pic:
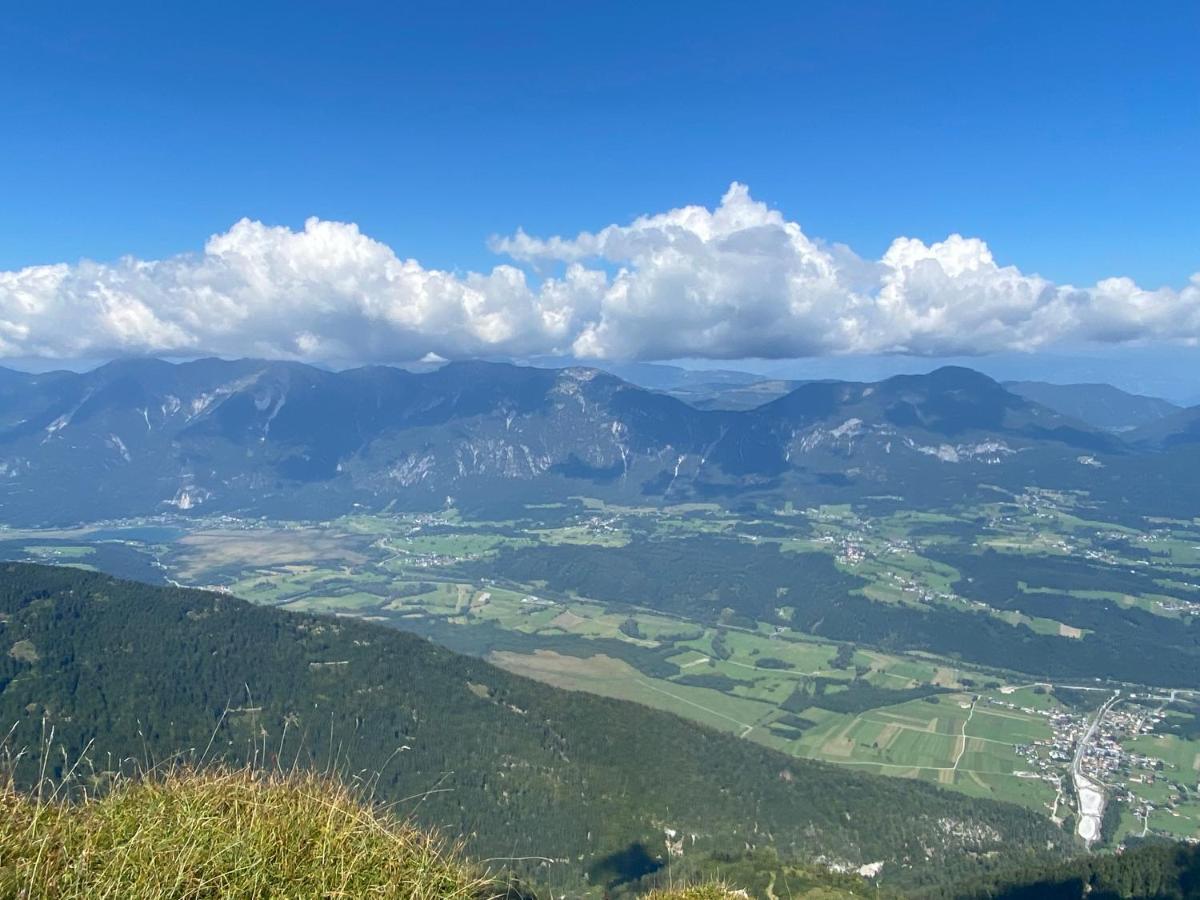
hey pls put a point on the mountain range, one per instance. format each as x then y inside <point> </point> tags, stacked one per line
<point>145,436</point>
<point>1100,405</point>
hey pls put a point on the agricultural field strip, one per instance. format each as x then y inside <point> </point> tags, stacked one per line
<point>706,709</point>
<point>1000,715</point>
<point>914,767</point>
<point>903,727</point>
<point>963,741</point>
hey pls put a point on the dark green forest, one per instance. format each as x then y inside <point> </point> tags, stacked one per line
<point>1159,870</point>
<point>715,579</point>
<point>135,674</point>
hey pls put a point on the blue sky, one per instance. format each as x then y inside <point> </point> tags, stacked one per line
<point>1065,135</point>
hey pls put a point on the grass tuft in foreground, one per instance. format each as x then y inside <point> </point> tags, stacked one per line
<point>697,892</point>
<point>223,833</point>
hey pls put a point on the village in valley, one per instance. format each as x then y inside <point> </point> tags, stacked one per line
<point>1094,759</point>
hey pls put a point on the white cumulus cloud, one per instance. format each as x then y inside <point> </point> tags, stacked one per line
<point>739,280</point>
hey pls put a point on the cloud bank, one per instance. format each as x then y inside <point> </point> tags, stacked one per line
<point>732,282</point>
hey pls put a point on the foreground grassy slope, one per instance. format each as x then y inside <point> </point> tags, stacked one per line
<point>222,832</point>
<point>584,784</point>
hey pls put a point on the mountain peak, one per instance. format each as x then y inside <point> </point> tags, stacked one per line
<point>947,378</point>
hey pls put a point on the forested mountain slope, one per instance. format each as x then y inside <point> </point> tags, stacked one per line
<point>1181,429</point>
<point>1099,405</point>
<point>1158,870</point>
<point>133,672</point>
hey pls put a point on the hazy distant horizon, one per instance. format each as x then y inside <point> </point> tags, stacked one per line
<point>1153,372</point>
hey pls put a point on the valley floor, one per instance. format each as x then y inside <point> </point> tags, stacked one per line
<point>1067,746</point>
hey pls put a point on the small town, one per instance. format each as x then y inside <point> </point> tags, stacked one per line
<point>1088,748</point>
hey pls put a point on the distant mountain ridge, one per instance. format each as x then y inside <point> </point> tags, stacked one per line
<point>1180,429</point>
<point>1099,405</point>
<point>143,436</point>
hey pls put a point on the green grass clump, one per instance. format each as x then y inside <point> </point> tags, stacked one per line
<point>223,833</point>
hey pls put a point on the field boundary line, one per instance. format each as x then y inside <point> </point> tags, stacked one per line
<point>722,715</point>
